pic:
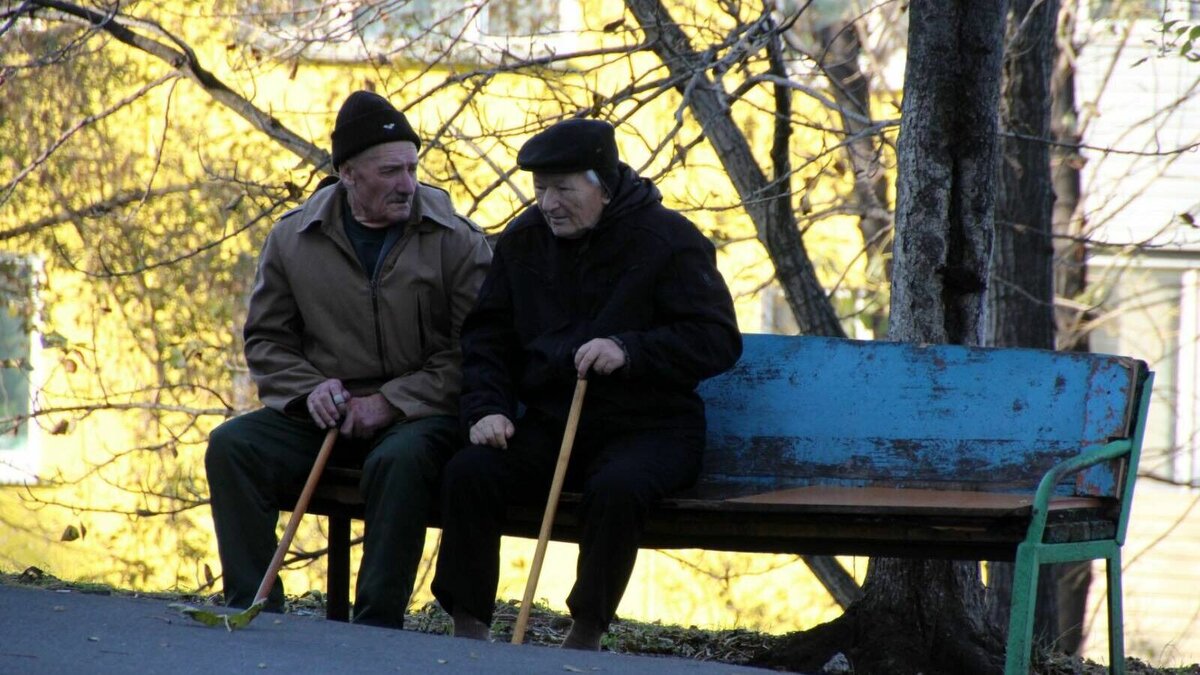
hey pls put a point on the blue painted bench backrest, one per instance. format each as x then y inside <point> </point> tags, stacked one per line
<point>799,410</point>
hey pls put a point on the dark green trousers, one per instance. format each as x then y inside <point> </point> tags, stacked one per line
<point>254,458</point>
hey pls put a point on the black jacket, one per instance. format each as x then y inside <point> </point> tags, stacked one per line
<point>644,274</point>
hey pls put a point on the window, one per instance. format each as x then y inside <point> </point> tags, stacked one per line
<point>17,452</point>
<point>1154,315</point>
<point>520,18</point>
<point>388,24</point>
<point>340,30</point>
<point>525,29</point>
<point>1144,9</point>
<point>361,30</point>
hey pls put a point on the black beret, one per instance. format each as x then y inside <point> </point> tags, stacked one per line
<point>365,120</point>
<point>570,146</point>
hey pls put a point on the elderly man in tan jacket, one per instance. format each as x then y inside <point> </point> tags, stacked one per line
<point>354,323</point>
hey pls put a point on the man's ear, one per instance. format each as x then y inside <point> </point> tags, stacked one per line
<point>346,173</point>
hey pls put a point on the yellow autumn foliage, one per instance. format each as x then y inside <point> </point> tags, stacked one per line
<point>151,215</point>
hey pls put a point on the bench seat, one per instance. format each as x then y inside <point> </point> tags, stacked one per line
<point>845,447</point>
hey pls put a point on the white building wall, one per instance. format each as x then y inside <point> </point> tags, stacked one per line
<point>1145,105</point>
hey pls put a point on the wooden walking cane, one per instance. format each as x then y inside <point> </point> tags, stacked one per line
<point>560,475</point>
<point>243,618</point>
<point>289,532</point>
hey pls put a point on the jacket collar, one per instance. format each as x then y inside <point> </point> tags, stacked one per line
<point>432,205</point>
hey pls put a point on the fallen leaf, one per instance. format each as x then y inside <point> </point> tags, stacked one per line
<point>244,617</point>
<point>205,617</point>
<point>32,574</point>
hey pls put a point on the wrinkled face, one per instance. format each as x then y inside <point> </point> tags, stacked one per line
<point>571,202</point>
<point>381,182</point>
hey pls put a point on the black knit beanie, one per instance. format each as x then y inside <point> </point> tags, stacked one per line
<point>573,145</point>
<point>365,120</point>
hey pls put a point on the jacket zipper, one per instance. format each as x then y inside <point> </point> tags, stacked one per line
<point>374,284</point>
<point>378,326</point>
<point>421,324</point>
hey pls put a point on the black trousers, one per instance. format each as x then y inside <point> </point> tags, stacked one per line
<point>622,476</point>
<point>254,458</point>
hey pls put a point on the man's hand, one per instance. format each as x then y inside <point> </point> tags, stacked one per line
<point>367,416</point>
<point>602,355</point>
<point>492,430</point>
<point>327,403</point>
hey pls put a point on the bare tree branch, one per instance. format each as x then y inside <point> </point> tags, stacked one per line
<point>182,58</point>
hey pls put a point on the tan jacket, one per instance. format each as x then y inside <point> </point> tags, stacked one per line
<point>315,315</point>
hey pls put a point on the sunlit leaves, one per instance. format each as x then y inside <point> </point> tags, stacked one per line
<point>1178,38</point>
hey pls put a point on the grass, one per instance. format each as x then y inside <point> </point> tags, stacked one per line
<point>547,627</point>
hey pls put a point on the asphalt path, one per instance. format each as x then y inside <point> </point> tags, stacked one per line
<point>48,632</point>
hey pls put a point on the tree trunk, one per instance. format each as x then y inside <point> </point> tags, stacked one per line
<point>926,615</point>
<point>769,203</point>
<point>1070,281</point>
<point>1069,222</point>
<point>946,195</point>
<point>1021,285</point>
<point>851,90</point>
<point>1062,589</point>
<point>947,161</point>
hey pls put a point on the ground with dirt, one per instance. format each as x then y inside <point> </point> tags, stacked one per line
<point>737,647</point>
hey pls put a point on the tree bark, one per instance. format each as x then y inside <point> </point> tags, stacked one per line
<point>851,89</point>
<point>1021,285</point>
<point>1069,221</point>
<point>945,193</point>
<point>928,616</point>
<point>768,203</point>
<point>1070,275</point>
<point>945,225</point>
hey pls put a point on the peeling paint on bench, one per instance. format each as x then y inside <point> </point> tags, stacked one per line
<point>827,411</point>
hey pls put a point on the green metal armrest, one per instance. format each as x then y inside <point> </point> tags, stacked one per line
<point>1088,458</point>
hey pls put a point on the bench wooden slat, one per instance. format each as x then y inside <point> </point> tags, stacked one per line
<point>913,501</point>
<point>799,411</point>
<point>822,529</point>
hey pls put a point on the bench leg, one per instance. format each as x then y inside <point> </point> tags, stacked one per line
<point>337,595</point>
<point>1022,605</point>
<point>1116,616</point>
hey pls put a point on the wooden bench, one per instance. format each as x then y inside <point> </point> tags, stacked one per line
<point>830,446</point>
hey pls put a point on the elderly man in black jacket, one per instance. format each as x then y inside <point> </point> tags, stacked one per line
<point>599,280</point>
